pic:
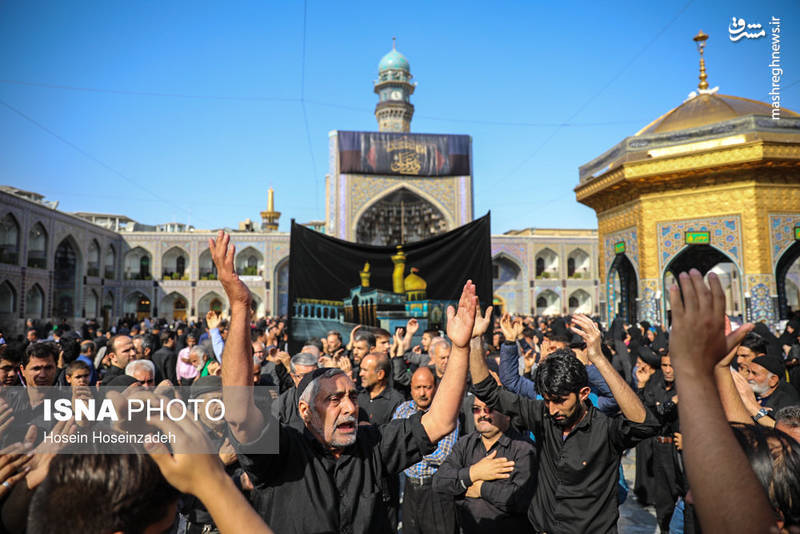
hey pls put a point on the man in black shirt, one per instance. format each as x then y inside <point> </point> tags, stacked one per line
<point>764,376</point>
<point>165,358</point>
<point>329,473</point>
<point>377,400</point>
<point>492,474</point>
<point>579,448</point>
<point>121,351</point>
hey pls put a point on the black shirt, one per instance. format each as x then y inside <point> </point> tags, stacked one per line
<point>503,502</point>
<point>304,489</point>
<point>379,410</point>
<point>577,477</point>
<point>166,360</point>
<point>784,395</point>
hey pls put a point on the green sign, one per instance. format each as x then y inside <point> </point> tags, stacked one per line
<point>797,233</point>
<point>619,248</point>
<point>698,238</point>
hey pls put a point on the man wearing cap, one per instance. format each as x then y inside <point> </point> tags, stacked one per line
<point>764,376</point>
<point>331,471</point>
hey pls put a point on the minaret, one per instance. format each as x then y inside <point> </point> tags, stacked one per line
<point>269,218</point>
<point>394,87</point>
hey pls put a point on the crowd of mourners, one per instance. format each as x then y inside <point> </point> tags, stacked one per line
<point>498,423</point>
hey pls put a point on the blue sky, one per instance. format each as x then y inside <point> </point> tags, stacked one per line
<point>189,111</point>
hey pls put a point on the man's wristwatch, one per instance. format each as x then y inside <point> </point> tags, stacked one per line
<point>763,412</point>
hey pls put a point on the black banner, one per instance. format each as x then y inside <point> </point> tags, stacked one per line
<point>335,284</point>
<point>404,153</point>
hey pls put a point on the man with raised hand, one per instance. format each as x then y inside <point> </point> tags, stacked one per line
<point>727,494</point>
<point>331,471</point>
<point>579,448</point>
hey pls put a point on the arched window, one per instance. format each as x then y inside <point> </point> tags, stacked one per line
<point>180,265</point>
<point>37,247</point>
<point>144,267</point>
<point>541,302</point>
<point>570,266</point>
<point>9,240</point>
<point>8,298</point>
<point>539,266</point>
<point>111,257</point>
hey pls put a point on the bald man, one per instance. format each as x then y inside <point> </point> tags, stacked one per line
<point>425,510</point>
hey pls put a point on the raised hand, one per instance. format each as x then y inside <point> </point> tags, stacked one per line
<point>587,329</point>
<point>412,326</point>
<point>460,322</point>
<point>643,374</point>
<point>482,322</point>
<point>223,253</point>
<point>698,340</point>
<point>491,468</point>
<point>212,319</point>
<point>512,330</point>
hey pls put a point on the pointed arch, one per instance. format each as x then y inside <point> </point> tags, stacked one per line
<point>175,264</point>
<point>67,278</point>
<point>9,239</point>
<point>174,306</point>
<point>249,262</point>
<point>8,297</point>
<point>91,308</point>
<point>34,302</point>
<point>280,281</point>
<point>548,303</point>
<point>547,263</point>
<point>402,188</point>
<point>580,301</point>
<point>110,262</point>
<point>138,264</point>
<point>138,305</point>
<point>211,301</point>
<point>93,258</point>
<point>207,269</point>
<point>579,264</point>
<point>37,246</point>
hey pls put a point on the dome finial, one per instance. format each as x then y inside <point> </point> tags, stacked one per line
<point>394,43</point>
<point>700,39</point>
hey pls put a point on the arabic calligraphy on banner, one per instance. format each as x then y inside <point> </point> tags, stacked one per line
<point>402,153</point>
<point>737,30</point>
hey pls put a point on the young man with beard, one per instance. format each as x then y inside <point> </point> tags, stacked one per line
<point>658,393</point>
<point>579,448</point>
<point>331,471</point>
<point>425,510</point>
<point>492,474</point>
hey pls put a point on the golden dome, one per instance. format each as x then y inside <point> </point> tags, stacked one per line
<point>414,282</point>
<point>706,109</point>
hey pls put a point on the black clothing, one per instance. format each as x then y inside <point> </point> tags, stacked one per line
<point>426,511</point>
<point>578,475</point>
<point>166,361</point>
<point>285,409</point>
<point>112,372</point>
<point>504,502</point>
<point>784,395</point>
<point>329,495</point>
<point>379,411</point>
